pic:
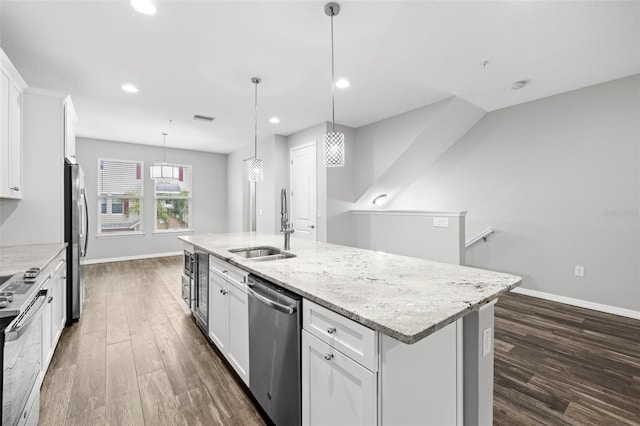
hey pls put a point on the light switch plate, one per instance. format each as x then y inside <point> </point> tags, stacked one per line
<point>486,342</point>
<point>579,270</point>
<point>441,222</point>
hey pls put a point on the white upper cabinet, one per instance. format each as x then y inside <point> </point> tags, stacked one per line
<point>11,87</point>
<point>70,120</point>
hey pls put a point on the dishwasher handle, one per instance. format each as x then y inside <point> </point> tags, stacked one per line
<point>289,310</point>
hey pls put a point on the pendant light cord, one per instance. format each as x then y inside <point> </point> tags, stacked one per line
<point>255,141</point>
<point>164,150</point>
<point>333,83</point>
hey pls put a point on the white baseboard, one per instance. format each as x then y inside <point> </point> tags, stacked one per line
<point>138,257</point>
<point>580,303</point>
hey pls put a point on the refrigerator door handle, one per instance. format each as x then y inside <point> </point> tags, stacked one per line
<point>86,224</point>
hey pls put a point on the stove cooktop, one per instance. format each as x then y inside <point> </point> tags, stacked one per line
<point>17,291</point>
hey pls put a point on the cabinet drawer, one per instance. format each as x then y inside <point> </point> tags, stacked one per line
<point>354,340</point>
<point>228,271</point>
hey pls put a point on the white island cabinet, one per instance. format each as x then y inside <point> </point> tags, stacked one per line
<point>354,375</point>
<point>229,314</point>
<point>386,340</point>
<point>339,365</point>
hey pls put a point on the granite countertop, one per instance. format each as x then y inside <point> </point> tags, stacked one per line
<point>15,259</point>
<point>403,297</point>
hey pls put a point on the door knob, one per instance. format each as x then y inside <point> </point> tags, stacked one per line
<point>311,226</point>
<point>328,357</point>
<point>15,188</point>
<point>331,330</point>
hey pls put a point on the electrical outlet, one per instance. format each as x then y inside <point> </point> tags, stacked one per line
<point>260,212</point>
<point>487,344</point>
<point>441,222</point>
<point>579,271</point>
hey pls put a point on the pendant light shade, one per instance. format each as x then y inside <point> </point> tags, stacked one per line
<point>256,170</point>
<point>256,166</point>
<point>164,171</point>
<point>333,149</point>
<point>333,142</point>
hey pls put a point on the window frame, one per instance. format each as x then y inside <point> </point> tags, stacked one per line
<point>110,198</point>
<point>157,198</point>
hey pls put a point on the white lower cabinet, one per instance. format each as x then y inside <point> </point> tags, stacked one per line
<point>335,389</point>
<point>229,320</point>
<point>238,345</point>
<point>55,313</point>
<point>218,312</point>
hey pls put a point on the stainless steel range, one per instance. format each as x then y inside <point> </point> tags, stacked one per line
<point>22,300</point>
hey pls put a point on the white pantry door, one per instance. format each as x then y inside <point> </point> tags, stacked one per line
<point>303,191</point>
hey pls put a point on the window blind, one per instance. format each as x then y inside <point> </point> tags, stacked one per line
<point>120,192</point>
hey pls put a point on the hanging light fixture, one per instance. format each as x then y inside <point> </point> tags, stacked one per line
<point>164,171</point>
<point>333,142</point>
<point>256,166</point>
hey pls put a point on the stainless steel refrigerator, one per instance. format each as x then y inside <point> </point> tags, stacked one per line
<point>76,227</point>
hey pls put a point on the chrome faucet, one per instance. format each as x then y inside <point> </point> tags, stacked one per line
<point>285,226</point>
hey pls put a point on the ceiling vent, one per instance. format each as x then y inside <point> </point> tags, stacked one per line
<point>203,118</point>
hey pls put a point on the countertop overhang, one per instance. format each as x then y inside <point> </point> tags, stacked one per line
<point>403,297</point>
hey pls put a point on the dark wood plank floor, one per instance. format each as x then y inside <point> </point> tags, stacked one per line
<point>557,364</point>
<point>137,358</point>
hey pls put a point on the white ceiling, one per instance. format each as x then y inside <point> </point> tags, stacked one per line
<point>198,57</point>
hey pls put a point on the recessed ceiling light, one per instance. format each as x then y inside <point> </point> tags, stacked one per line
<point>274,120</point>
<point>519,85</point>
<point>129,88</point>
<point>144,6</point>
<point>343,83</point>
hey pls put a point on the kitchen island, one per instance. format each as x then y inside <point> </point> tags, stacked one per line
<point>431,323</point>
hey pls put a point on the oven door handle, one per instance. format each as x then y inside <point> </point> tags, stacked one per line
<point>21,326</point>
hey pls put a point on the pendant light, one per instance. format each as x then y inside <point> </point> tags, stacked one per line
<point>333,142</point>
<point>164,171</point>
<point>256,166</point>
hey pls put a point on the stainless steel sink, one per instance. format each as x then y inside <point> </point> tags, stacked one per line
<point>262,253</point>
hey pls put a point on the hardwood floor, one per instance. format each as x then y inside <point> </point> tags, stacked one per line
<point>137,357</point>
<point>557,364</point>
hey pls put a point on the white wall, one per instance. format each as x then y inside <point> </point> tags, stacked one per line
<point>235,181</point>
<point>557,177</point>
<point>314,134</point>
<point>340,194</point>
<point>335,195</point>
<point>272,150</point>
<point>208,204</point>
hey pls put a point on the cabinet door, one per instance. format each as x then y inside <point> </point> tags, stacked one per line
<point>5,87</point>
<point>238,347</point>
<point>335,389</point>
<point>47,336</point>
<point>58,303</point>
<point>69,131</point>
<point>218,312</point>
<point>15,143</point>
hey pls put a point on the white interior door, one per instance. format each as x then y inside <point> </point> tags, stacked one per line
<point>303,191</point>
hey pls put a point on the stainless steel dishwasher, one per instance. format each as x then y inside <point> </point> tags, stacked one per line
<point>274,356</point>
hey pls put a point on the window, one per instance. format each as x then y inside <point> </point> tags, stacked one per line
<point>173,202</point>
<point>120,191</point>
